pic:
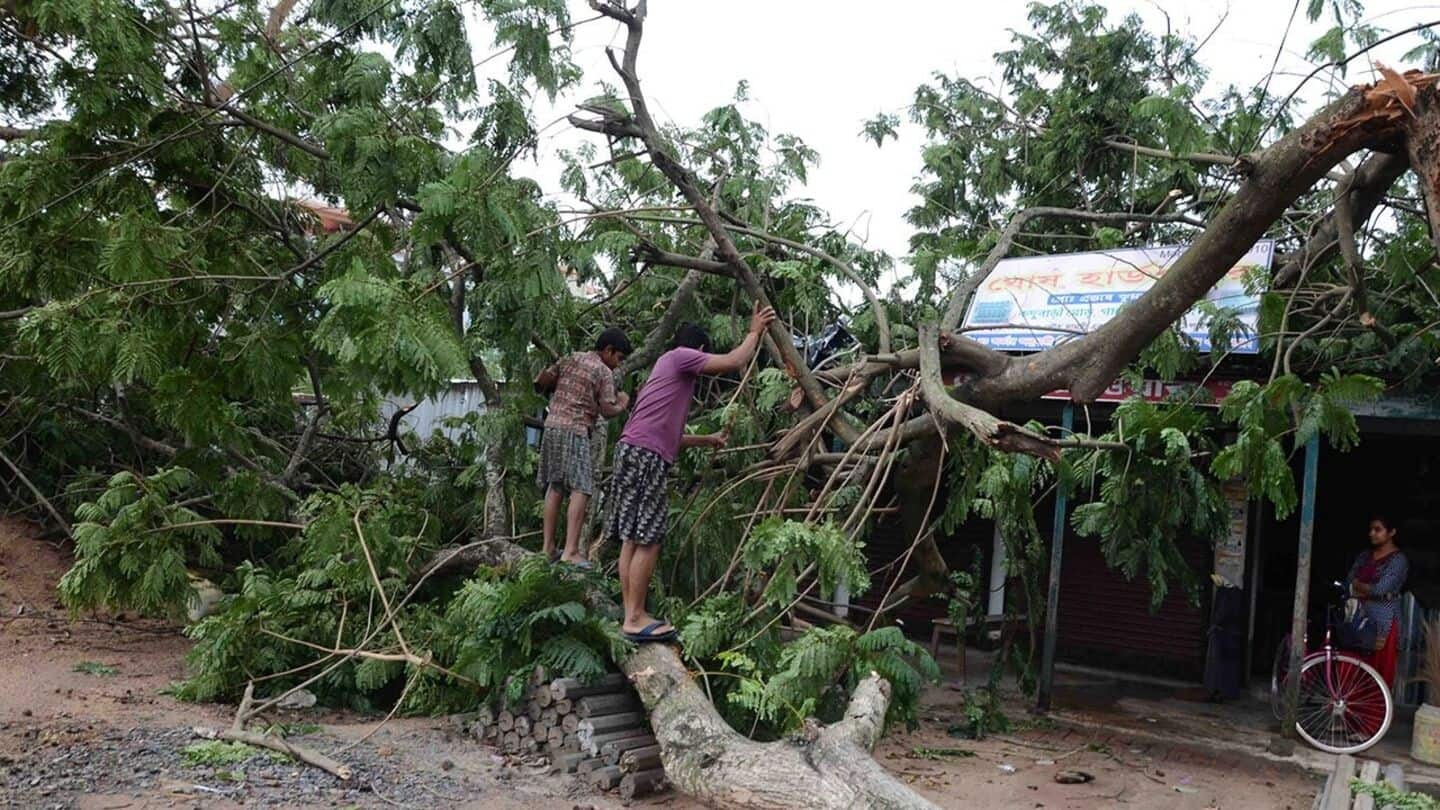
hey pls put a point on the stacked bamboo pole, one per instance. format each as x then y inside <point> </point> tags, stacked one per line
<point>599,731</point>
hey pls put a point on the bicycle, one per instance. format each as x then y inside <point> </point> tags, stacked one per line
<point>1344,706</point>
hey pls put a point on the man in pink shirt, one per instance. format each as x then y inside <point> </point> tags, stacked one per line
<point>648,446</point>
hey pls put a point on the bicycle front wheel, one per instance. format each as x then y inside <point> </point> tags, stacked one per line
<point>1344,707</point>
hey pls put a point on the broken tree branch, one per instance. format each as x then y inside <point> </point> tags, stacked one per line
<point>1368,185</point>
<point>988,428</point>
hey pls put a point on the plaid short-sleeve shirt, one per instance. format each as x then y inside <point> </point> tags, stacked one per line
<point>583,381</point>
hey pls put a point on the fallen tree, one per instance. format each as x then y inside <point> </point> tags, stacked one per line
<point>194,365</point>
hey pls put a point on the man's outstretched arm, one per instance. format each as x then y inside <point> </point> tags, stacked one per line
<point>735,359</point>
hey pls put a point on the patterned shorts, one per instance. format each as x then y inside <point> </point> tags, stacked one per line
<point>565,462</point>
<point>639,507</point>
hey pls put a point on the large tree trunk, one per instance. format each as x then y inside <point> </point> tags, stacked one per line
<point>826,767</point>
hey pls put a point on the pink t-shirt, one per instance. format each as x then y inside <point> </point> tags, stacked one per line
<point>657,420</point>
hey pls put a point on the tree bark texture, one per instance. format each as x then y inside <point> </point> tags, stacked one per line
<point>826,767</point>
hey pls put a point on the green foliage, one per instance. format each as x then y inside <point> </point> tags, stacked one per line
<point>1386,795</point>
<point>785,547</point>
<point>97,669</point>
<point>814,674</point>
<point>1264,414</point>
<point>134,544</point>
<point>507,624</point>
<point>218,754</point>
<point>1144,499</point>
<point>984,715</point>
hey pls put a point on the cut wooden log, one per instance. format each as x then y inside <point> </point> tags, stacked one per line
<point>572,688</point>
<point>642,783</point>
<point>572,742</point>
<point>610,722</point>
<point>607,704</point>
<point>533,711</point>
<point>523,726</point>
<point>510,742</point>
<point>566,762</point>
<point>549,717</point>
<point>570,722</point>
<point>555,738</point>
<point>529,745</point>
<point>640,759</point>
<point>606,778</point>
<point>595,742</point>
<point>506,721</point>
<point>486,716</point>
<point>563,707</point>
<point>620,746</point>
<point>614,752</point>
<point>589,764</point>
<point>1336,795</point>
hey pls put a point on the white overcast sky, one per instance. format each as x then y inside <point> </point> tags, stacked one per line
<point>818,68</point>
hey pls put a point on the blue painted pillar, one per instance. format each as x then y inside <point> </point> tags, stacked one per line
<point>1052,598</point>
<point>1302,582</point>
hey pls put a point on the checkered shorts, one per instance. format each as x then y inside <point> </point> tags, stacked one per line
<point>565,462</point>
<point>639,507</point>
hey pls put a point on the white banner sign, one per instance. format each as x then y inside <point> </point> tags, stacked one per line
<point>1032,303</point>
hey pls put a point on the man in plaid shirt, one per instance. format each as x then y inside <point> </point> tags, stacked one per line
<point>584,390</point>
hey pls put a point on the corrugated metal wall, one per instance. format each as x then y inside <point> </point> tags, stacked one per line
<point>461,398</point>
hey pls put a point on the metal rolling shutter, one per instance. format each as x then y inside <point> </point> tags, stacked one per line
<point>1105,620</point>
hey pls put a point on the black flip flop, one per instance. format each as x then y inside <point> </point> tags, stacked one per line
<point>647,633</point>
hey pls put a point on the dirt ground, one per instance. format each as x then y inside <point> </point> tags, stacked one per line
<point>85,723</point>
